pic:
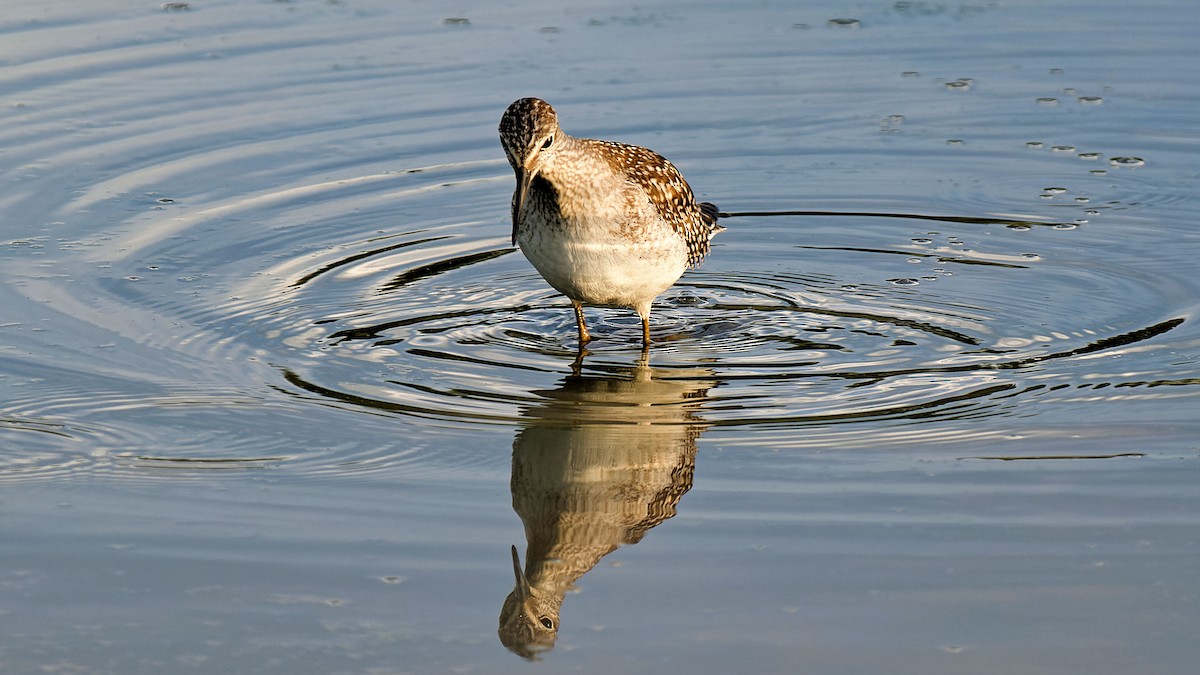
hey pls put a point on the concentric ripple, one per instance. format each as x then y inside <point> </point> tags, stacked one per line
<point>449,322</point>
<point>367,294</point>
<point>200,277</point>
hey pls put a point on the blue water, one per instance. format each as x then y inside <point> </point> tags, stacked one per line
<point>276,394</point>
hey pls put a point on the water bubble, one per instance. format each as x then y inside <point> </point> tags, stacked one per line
<point>961,84</point>
<point>1092,212</point>
<point>1070,91</point>
<point>1127,161</point>
<point>1056,71</point>
<point>921,240</point>
<point>955,141</point>
<point>910,73</point>
<point>456,21</point>
<point>132,277</point>
<point>1080,221</point>
<point>1090,100</point>
<point>1046,195</point>
<point>1031,256</point>
<point>904,282</point>
<point>891,123</point>
<point>1065,226</point>
<point>1019,227</point>
<point>175,6</point>
<point>1090,156</point>
<point>913,261</point>
<point>165,200</point>
<point>801,26</point>
<point>1035,144</point>
<point>549,29</point>
<point>1055,190</point>
<point>1062,148</point>
<point>1082,200</point>
<point>845,23</point>
<point>1099,172</point>
<point>1047,100</point>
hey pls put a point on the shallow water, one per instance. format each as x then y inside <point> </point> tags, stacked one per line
<point>278,396</point>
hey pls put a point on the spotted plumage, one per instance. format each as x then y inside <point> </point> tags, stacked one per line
<point>669,193</point>
<point>605,223</point>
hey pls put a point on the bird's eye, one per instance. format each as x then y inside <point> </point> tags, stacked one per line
<point>547,623</point>
<point>549,140</point>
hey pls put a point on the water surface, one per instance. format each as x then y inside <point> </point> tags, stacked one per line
<point>278,396</point>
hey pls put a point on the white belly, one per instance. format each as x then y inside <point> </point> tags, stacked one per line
<point>600,265</point>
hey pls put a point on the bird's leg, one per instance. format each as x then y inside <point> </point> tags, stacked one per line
<point>584,338</point>
<point>644,313</point>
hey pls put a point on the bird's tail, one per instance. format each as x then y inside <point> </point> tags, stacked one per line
<point>711,213</point>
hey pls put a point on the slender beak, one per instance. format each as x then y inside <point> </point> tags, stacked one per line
<point>522,583</point>
<point>524,178</point>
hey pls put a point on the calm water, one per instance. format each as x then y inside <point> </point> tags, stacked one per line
<point>277,396</point>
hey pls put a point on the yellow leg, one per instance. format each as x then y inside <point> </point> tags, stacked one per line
<point>645,327</point>
<point>584,338</point>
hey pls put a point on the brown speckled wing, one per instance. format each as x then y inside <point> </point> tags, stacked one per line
<point>669,193</point>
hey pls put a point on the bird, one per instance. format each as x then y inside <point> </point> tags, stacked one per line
<point>605,223</point>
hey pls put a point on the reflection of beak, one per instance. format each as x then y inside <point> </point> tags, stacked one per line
<point>522,583</point>
<point>524,178</point>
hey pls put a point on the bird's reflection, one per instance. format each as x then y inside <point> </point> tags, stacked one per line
<point>596,465</point>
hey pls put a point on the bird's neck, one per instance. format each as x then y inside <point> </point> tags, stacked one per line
<point>583,184</point>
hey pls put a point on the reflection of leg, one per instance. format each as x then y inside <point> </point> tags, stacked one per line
<point>577,364</point>
<point>583,334</point>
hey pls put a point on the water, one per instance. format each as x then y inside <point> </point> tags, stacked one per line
<point>278,396</point>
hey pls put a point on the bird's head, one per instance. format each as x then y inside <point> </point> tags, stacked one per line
<point>527,132</point>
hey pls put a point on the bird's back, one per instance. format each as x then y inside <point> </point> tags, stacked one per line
<point>667,191</point>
